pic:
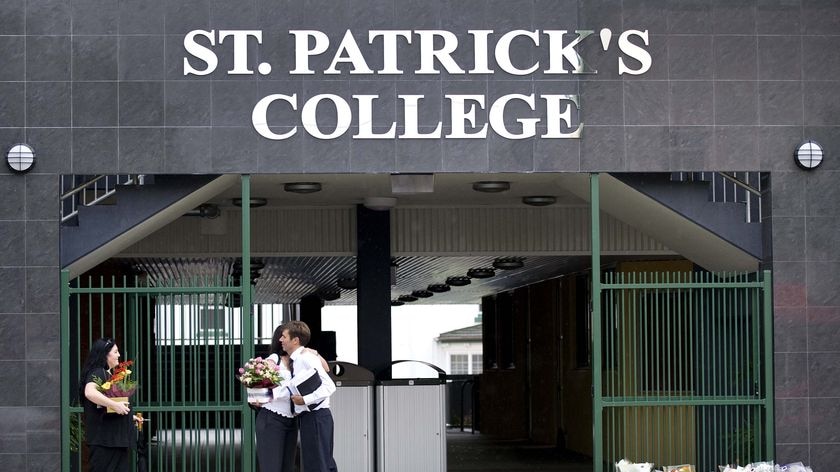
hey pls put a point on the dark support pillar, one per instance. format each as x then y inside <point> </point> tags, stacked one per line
<point>373,292</point>
<point>310,313</point>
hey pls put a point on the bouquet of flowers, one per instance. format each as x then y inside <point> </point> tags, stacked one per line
<point>119,385</point>
<point>259,376</point>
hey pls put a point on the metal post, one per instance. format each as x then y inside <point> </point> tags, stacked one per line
<point>597,406</point>
<point>65,369</point>
<point>247,322</point>
<point>769,392</point>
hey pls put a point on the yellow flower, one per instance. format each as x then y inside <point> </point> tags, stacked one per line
<point>106,385</point>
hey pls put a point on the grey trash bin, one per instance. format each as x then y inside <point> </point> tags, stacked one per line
<point>411,423</point>
<point>352,410</point>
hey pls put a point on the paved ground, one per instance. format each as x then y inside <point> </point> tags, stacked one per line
<point>475,452</point>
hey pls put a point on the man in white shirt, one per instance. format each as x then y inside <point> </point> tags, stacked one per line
<point>312,399</point>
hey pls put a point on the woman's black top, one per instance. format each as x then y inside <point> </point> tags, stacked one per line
<point>106,429</point>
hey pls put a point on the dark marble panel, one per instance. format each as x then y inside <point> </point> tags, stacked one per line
<point>42,243</point>
<point>141,103</point>
<point>42,290</point>
<point>829,139</point>
<point>12,386</point>
<point>778,17</point>
<point>94,150</point>
<point>735,58</point>
<point>516,108</point>
<point>507,15</point>
<point>523,55</point>
<point>818,110</point>
<point>776,145</point>
<point>12,243</point>
<point>146,17</point>
<point>602,148</point>
<point>556,155</point>
<point>10,135</point>
<point>141,150</point>
<point>231,149</point>
<point>326,113</point>
<point>174,55</point>
<point>47,17</point>
<point>410,14</point>
<point>824,416</point>
<point>12,334</point>
<point>601,102</point>
<point>789,192</point>
<point>646,102</point>
<point>43,442</point>
<point>736,103</point>
<point>792,421</point>
<point>736,148</point>
<point>460,16</point>
<point>42,337</point>
<point>12,431</point>
<point>367,15</point>
<point>787,453</point>
<point>43,385</point>
<point>48,104</point>
<point>818,53</point>
<point>277,17</point>
<point>822,238</point>
<point>823,328</point>
<point>95,104</point>
<point>788,283</point>
<point>15,461</point>
<point>373,155</point>
<point>183,16</point>
<point>240,15</point>
<point>789,238</point>
<point>648,147</point>
<point>824,456</point>
<point>648,15</point>
<point>141,58</point>
<point>511,155</point>
<point>233,102</point>
<point>780,103</point>
<point>43,418</point>
<point>779,58</point>
<point>329,155</point>
<point>421,155</point>
<point>385,109</point>
<point>691,103</point>
<point>824,372</point>
<point>12,111</point>
<point>282,156</point>
<point>820,17</point>
<point>48,462</point>
<point>95,16</point>
<point>690,57</point>
<point>42,196</point>
<point>187,150</point>
<point>600,14</point>
<point>52,146</point>
<point>13,19</point>
<point>430,107</point>
<point>734,16</point>
<point>12,57</point>
<point>690,17</point>
<point>462,155</point>
<point>12,207</point>
<point>791,375</point>
<point>823,283</point>
<point>823,193</point>
<point>188,103</point>
<point>95,58</point>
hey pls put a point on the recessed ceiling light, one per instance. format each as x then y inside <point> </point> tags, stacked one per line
<point>330,295</point>
<point>438,288</point>
<point>347,283</point>
<point>491,186</point>
<point>407,298</point>
<point>421,293</point>
<point>380,203</point>
<point>509,263</point>
<point>302,187</point>
<point>458,281</point>
<point>255,202</point>
<point>539,200</point>
<point>397,303</point>
<point>481,273</point>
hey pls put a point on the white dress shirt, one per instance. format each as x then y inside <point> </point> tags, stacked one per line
<point>280,403</point>
<point>303,361</point>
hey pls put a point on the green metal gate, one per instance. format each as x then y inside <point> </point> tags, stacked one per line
<point>187,338</point>
<point>682,366</point>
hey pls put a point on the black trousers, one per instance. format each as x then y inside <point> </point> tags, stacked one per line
<point>316,441</point>
<point>276,441</point>
<point>108,459</point>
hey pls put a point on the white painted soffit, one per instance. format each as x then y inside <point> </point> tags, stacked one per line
<point>152,224</point>
<point>680,234</point>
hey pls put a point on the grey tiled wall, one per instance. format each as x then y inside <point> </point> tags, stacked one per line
<point>96,87</point>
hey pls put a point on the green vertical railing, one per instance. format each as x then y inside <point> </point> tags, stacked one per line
<point>682,364</point>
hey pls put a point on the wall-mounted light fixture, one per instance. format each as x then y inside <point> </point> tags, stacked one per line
<point>491,186</point>
<point>20,158</point>
<point>509,263</point>
<point>302,187</point>
<point>808,155</point>
<point>539,200</point>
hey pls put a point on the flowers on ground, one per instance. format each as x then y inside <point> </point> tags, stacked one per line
<point>260,373</point>
<point>120,384</point>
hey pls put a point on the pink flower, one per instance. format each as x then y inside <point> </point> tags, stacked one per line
<point>241,370</point>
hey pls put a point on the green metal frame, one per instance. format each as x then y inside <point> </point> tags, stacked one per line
<point>123,323</point>
<point>686,360</point>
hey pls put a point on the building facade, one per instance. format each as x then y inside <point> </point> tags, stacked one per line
<point>402,86</point>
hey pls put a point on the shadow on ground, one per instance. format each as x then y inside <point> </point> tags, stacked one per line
<point>473,452</point>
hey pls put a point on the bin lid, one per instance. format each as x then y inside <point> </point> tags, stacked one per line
<point>412,382</point>
<point>385,377</point>
<point>346,374</point>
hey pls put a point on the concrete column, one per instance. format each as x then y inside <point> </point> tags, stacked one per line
<point>373,292</point>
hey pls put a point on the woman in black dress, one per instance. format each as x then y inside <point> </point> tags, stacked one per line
<point>108,435</point>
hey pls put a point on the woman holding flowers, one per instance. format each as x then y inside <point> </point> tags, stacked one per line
<point>108,435</point>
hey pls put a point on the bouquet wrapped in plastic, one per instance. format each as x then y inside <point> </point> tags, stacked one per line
<point>259,376</point>
<point>119,386</point>
<point>626,466</point>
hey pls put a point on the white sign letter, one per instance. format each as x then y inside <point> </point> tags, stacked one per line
<point>200,52</point>
<point>568,52</point>
<point>259,117</point>
<point>497,117</point>
<point>389,48</point>
<point>554,116</point>
<point>634,51</point>
<point>240,48</point>
<point>302,50</point>
<point>410,112</point>
<point>503,52</point>
<point>461,116</point>
<point>309,116</point>
<point>354,57</point>
<point>428,53</point>
<point>366,119</point>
